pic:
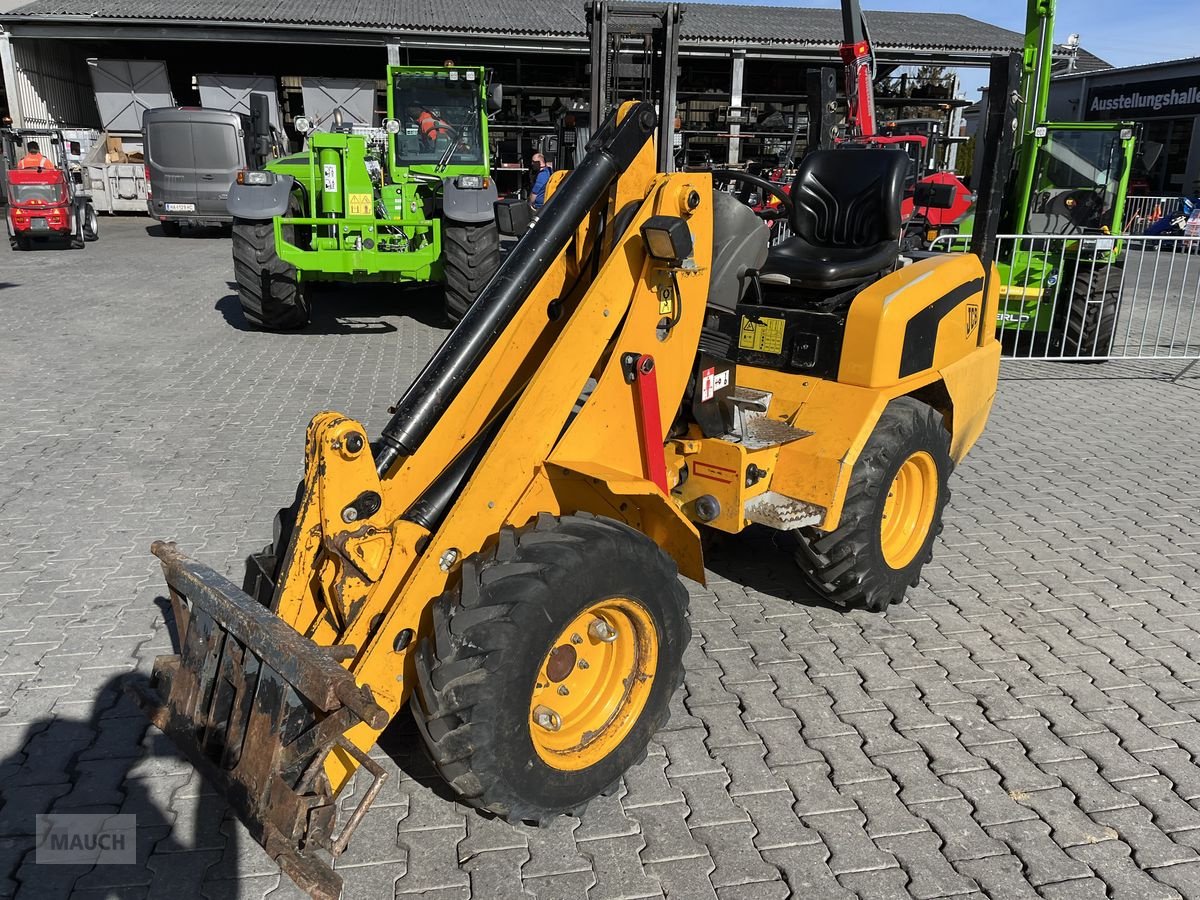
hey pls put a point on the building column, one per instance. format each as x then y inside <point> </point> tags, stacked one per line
<point>393,54</point>
<point>8,68</point>
<point>735,99</point>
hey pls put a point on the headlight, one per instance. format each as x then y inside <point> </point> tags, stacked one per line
<point>391,126</point>
<point>667,238</point>
<point>470,74</point>
<point>302,124</point>
<point>470,182</point>
<point>248,177</point>
<point>1041,131</point>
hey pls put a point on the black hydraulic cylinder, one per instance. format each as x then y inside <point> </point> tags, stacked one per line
<point>610,152</point>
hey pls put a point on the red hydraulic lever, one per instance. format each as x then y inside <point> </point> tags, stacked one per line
<point>639,371</point>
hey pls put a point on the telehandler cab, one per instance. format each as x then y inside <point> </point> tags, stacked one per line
<point>503,558</point>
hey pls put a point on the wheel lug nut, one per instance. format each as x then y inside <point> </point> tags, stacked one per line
<point>583,664</point>
<point>562,690</point>
<point>576,639</point>
<point>547,718</point>
<point>602,631</point>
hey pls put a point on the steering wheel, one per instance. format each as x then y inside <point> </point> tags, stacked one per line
<point>1080,207</point>
<point>785,201</point>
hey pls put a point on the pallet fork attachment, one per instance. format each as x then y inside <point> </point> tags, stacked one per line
<point>257,708</point>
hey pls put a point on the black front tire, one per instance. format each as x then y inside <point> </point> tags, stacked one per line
<point>848,566</point>
<point>270,290</point>
<point>493,629</point>
<point>470,256</point>
<point>1086,331</point>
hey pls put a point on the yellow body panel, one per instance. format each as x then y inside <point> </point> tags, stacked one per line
<point>924,316</point>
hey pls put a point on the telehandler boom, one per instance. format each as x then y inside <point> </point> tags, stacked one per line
<point>504,558</point>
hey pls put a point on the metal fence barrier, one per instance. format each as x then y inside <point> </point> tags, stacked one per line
<point>1083,297</point>
<point>1142,212</point>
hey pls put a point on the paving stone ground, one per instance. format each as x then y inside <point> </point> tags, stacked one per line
<point>1024,725</point>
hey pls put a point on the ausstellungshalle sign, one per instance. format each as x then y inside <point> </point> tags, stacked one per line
<point>1167,98</point>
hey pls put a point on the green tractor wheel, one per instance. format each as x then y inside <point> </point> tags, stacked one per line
<point>270,290</point>
<point>471,255</point>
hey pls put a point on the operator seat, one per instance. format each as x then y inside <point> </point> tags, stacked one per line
<point>845,219</point>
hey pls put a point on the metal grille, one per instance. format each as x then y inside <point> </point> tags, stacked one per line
<point>1072,297</point>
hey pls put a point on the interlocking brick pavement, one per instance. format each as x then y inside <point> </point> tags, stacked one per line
<point>1025,724</point>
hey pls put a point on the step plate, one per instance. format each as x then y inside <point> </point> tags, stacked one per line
<point>782,513</point>
<point>759,432</point>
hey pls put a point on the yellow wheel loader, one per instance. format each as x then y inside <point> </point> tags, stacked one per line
<point>503,558</point>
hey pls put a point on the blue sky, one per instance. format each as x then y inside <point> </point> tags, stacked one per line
<point>1123,32</point>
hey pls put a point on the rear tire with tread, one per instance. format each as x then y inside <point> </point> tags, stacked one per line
<point>270,290</point>
<point>470,256</point>
<point>847,566</point>
<point>91,225</point>
<point>477,669</point>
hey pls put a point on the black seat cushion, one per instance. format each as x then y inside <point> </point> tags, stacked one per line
<point>845,218</point>
<point>827,267</point>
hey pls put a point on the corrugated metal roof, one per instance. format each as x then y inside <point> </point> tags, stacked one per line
<point>701,21</point>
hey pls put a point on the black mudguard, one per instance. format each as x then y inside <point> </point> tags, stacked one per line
<point>470,205</point>
<point>260,201</point>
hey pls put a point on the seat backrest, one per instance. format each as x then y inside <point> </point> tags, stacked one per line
<point>849,197</point>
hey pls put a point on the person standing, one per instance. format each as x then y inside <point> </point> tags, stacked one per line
<point>542,169</point>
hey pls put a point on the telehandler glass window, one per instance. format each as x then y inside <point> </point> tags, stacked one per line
<point>437,114</point>
<point>1076,181</point>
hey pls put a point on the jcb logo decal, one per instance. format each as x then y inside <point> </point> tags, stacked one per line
<point>972,317</point>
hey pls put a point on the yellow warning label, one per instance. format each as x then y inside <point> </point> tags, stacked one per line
<point>764,335</point>
<point>360,204</point>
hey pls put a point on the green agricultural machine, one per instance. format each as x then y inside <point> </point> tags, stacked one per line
<point>407,203</point>
<point>1066,195</point>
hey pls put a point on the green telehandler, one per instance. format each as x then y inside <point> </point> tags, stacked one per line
<point>1066,199</point>
<point>410,202</point>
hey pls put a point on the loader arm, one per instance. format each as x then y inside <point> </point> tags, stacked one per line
<point>552,395</point>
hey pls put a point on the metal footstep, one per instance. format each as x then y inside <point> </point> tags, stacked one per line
<point>257,708</point>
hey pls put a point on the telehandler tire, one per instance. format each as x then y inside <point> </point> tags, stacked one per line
<point>271,293</point>
<point>892,514</point>
<point>470,256</point>
<point>551,665</point>
<point>1087,329</point>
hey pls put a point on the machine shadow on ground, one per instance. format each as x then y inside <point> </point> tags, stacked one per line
<point>202,232</point>
<point>99,765</point>
<point>761,560</point>
<point>353,309</point>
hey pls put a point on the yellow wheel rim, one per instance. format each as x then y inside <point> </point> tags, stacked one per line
<point>592,686</point>
<point>908,510</point>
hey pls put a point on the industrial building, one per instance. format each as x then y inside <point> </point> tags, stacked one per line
<point>1163,97</point>
<point>745,59</point>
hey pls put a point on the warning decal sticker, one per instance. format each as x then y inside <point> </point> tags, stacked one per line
<point>764,335</point>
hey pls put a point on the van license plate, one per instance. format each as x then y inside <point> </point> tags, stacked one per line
<point>179,207</point>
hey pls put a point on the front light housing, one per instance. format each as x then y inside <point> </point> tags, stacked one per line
<point>247,176</point>
<point>667,238</point>
<point>302,124</point>
<point>391,126</point>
